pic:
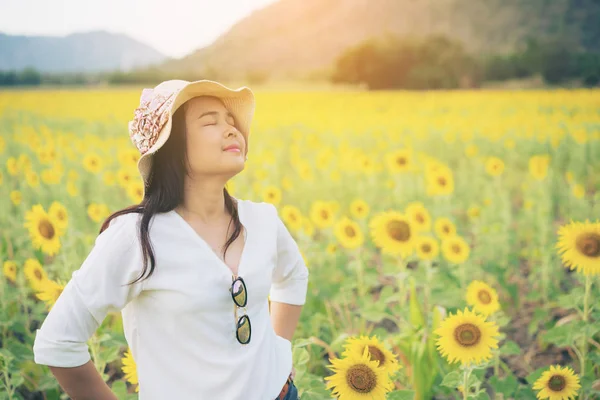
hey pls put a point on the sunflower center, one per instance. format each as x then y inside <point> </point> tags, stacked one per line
<point>557,383</point>
<point>442,181</point>
<point>446,229</point>
<point>398,230</point>
<point>589,244</point>
<point>38,274</point>
<point>61,215</point>
<point>377,354</point>
<point>350,232</point>
<point>401,161</point>
<point>293,217</point>
<point>46,229</point>
<point>324,214</point>
<point>420,218</point>
<point>361,378</point>
<point>426,247</point>
<point>456,249</point>
<point>484,297</point>
<point>467,335</point>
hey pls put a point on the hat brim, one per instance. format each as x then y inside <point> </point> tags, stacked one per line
<point>239,102</point>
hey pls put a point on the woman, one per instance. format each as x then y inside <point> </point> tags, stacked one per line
<point>191,267</point>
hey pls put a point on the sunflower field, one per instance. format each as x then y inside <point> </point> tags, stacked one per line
<point>453,238</point>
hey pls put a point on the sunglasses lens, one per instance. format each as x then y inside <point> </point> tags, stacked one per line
<point>244,330</point>
<point>239,293</point>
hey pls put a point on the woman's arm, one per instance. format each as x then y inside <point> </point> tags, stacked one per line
<point>289,283</point>
<point>96,288</point>
<point>284,318</point>
<point>83,382</point>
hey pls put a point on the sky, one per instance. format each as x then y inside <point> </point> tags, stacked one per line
<point>173,27</point>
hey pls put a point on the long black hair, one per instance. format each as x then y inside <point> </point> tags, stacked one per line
<point>164,191</point>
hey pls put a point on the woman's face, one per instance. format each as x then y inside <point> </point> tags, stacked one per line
<point>210,129</point>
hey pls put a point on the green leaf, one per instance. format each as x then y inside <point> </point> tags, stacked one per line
<point>302,342</point>
<point>416,315</point>
<point>510,348</point>
<point>300,356</point>
<point>453,380</point>
<point>506,386</point>
<point>566,334</point>
<point>120,389</point>
<point>401,395</point>
<point>535,375</point>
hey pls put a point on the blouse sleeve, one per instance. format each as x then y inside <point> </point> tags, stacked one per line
<point>290,275</point>
<point>99,286</point>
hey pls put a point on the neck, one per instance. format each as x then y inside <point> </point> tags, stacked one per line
<point>204,200</point>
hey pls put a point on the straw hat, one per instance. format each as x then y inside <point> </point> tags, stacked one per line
<point>151,125</point>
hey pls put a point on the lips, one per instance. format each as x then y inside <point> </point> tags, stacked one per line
<point>233,147</point>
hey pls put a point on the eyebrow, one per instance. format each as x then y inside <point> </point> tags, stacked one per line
<point>215,113</point>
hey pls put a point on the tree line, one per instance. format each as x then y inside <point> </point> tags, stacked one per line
<point>438,62</point>
<point>434,62</point>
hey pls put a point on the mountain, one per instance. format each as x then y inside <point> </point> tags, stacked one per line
<point>294,37</point>
<point>78,52</point>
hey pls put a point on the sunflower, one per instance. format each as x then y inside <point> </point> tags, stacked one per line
<point>109,178</point>
<point>58,213</point>
<point>49,291</point>
<point>579,246</point>
<point>124,176</point>
<point>331,248</point>
<point>474,212</point>
<point>321,214</point>
<point>494,166</point>
<point>399,160</point>
<point>358,377</point>
<point>538,166</point>
<point>427,248</point>
<point>128,157</point>
<point>9,268</point>
<point>483,298</point>
<point>419,216</point>
<point>393,233</point>
<point>471,150</point>
<point>455,249</point>
<point>307,227</point>
<point>558,383</point>
<point>348,233</point>
<point>135,191</point>
<point>16,197</point>
<point>72,189</point>
<point>130,369</point>
<point>444,228</point>
<point>92,163</point>
<point>466,337</point>
<point>35,273</point>
<point>359,209</point>
<point>12,166</point>
<point>32,179</point>
<point>377,352</point>
<point>578,191</point>
<point>42,230</point>
<point>292,217</point>
<point>272,195</point>
<point>440,181</point>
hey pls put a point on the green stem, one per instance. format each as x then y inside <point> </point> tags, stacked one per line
<point>586,312</point>
<point>467,372</point>
<point>360,274</point>
<point>401,282</point>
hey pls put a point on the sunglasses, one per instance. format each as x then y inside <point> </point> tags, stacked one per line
<point>239,294</point>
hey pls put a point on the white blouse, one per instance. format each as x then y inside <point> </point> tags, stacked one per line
<point>180,323</point>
